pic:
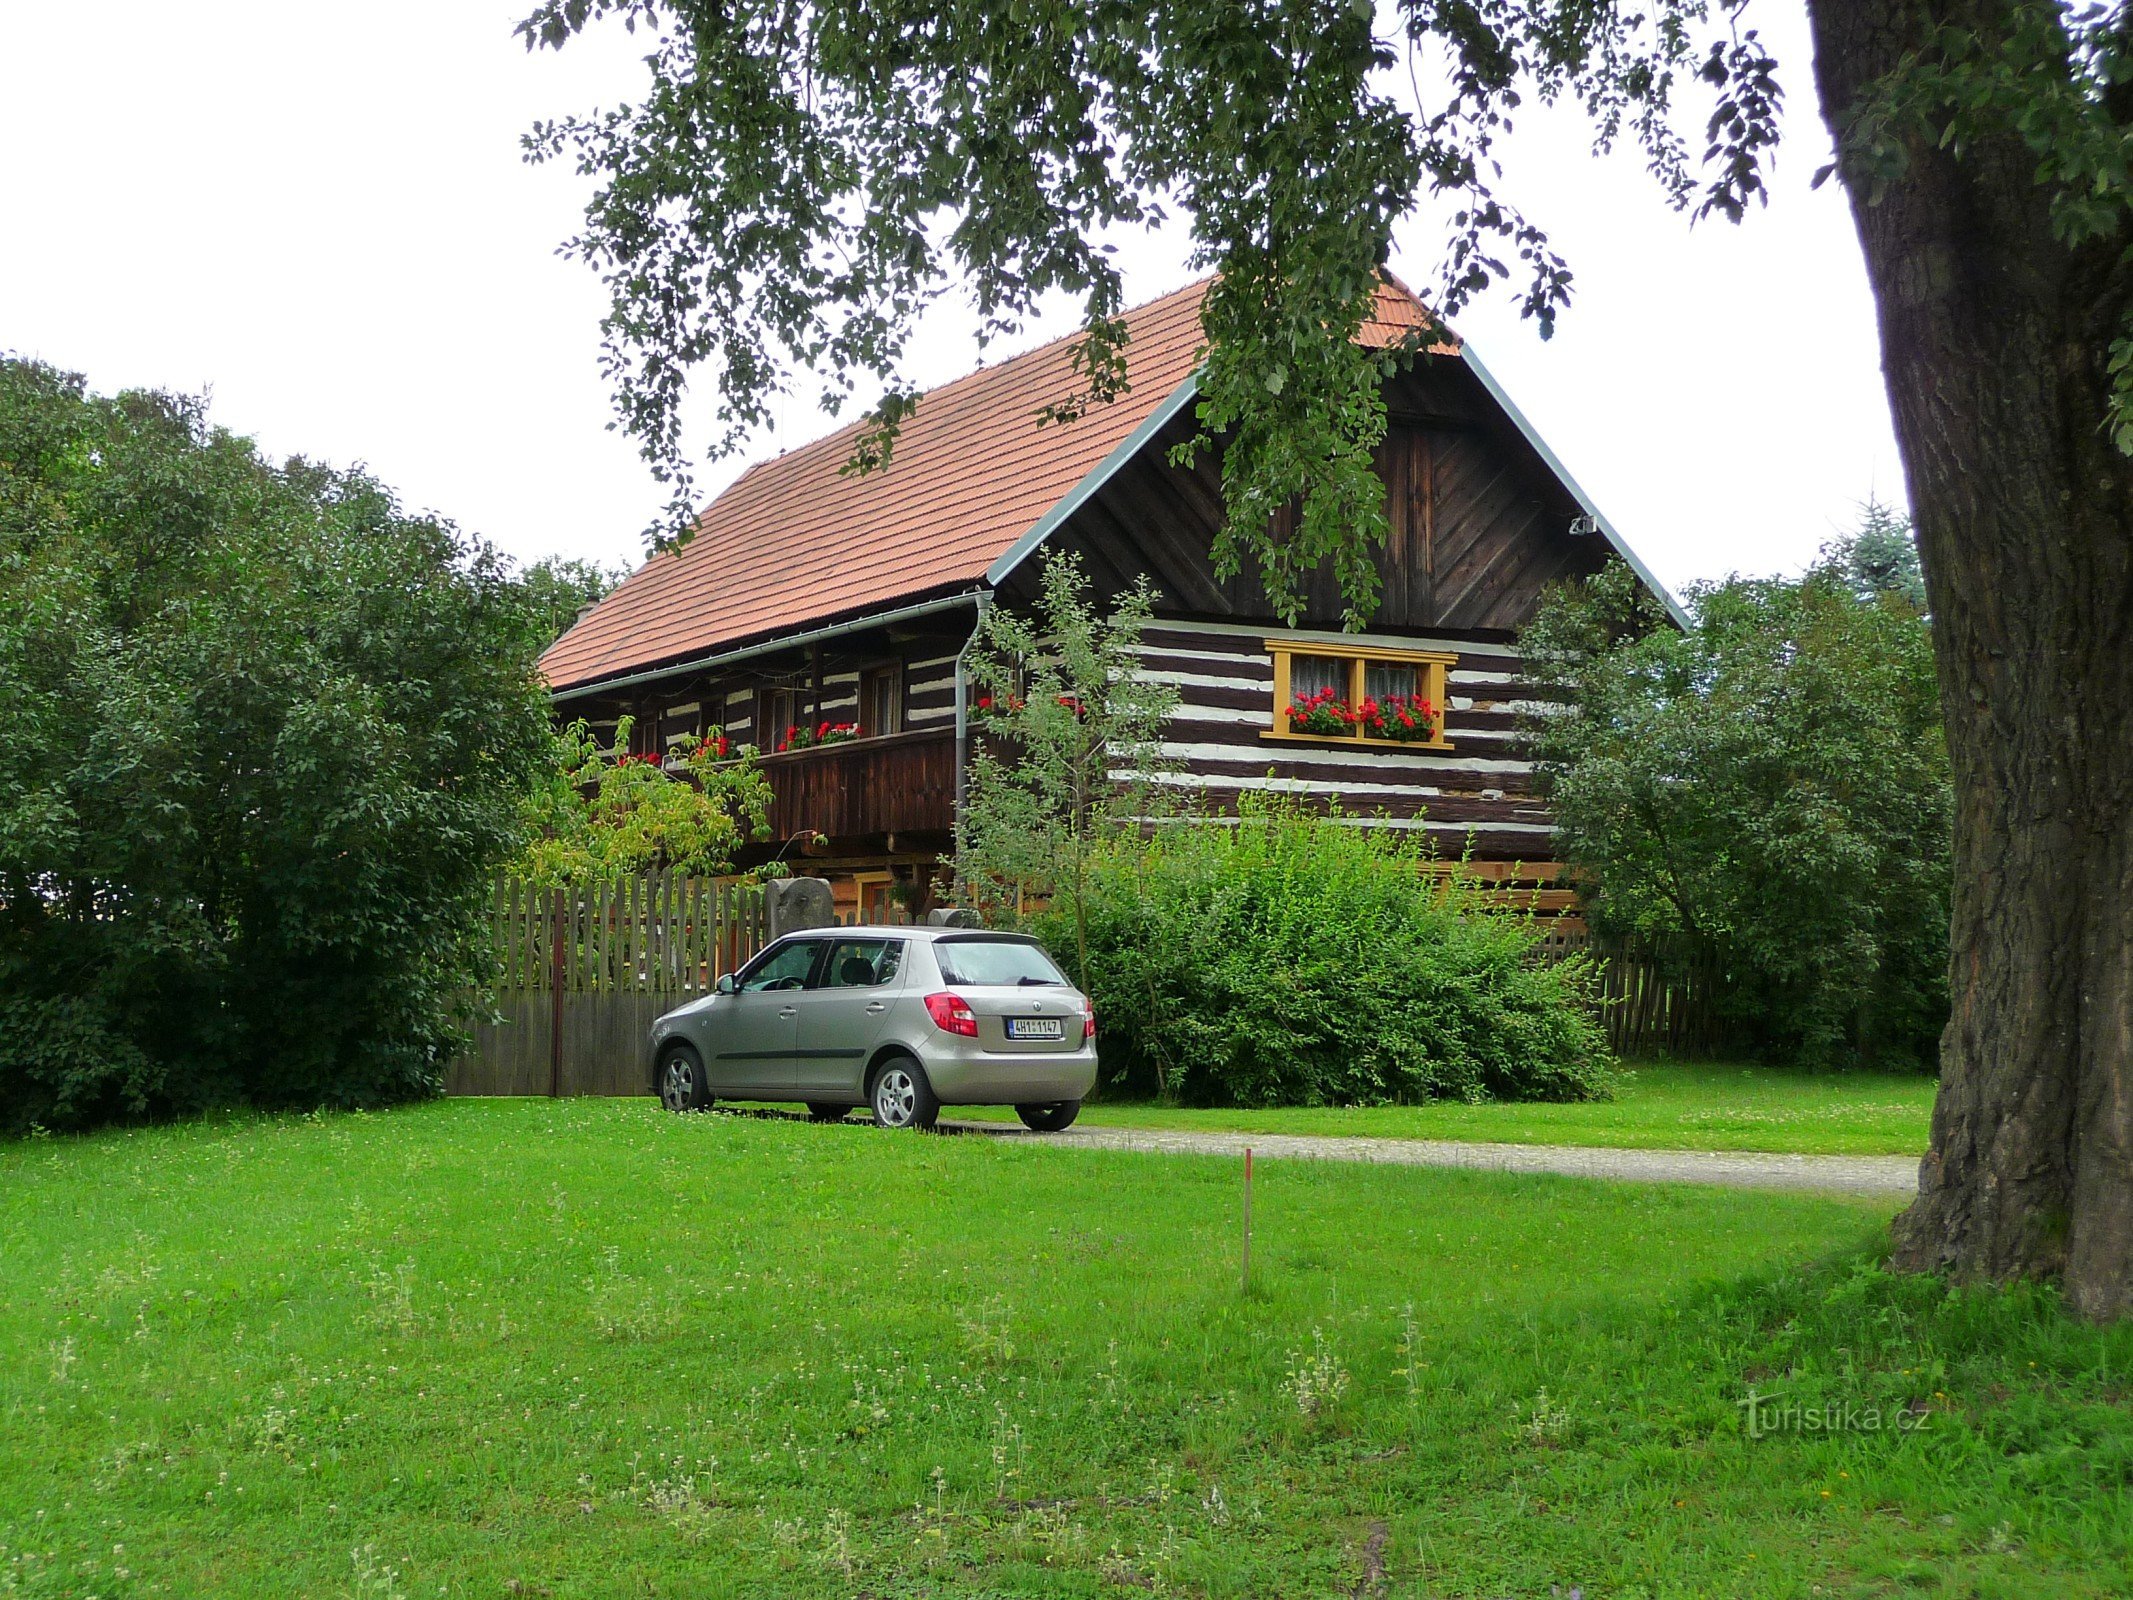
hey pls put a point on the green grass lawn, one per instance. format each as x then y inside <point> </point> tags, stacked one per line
<point>587,1349</point>
<point>1659,1106</point>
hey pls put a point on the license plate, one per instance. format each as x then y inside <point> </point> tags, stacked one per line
<point>1035,1028</point>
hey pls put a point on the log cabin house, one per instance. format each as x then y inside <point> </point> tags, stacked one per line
<point>809,595</point>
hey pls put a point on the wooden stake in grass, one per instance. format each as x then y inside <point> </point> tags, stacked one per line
<point>1247,1219</point>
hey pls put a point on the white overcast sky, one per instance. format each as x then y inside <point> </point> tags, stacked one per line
<point>318,214</point>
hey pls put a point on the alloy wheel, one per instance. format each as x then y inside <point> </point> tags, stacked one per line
<point>895,1097</point>
<point>676,1087</point>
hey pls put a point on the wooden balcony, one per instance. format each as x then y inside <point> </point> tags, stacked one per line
<point>903,783</point>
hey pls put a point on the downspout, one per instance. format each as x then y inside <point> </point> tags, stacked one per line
<point>962,711</point>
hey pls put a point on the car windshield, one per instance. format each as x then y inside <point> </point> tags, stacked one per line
<point>994,961</point>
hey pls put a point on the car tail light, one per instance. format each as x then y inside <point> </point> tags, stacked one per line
<point>951,1013</point>
<point>1088,1023</point>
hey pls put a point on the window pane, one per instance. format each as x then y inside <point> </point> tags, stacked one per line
<point>862,964</point>
<point>1003,961</point>
<point>1382,678</point>
<point>785,967</point>
<point>877,705</point>
<point>1316,674</point>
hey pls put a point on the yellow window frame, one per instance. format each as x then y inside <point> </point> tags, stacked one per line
<point>1434,668</point>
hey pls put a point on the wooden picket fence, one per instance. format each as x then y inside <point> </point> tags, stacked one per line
<point>1654,999</point>
<point>582,973</point>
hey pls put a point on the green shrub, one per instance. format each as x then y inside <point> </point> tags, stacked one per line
<point>1294,959</point>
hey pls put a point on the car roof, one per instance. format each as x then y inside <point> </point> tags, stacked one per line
<point>907,930</point>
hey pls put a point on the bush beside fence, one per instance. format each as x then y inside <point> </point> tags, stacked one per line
<point>582,973</point>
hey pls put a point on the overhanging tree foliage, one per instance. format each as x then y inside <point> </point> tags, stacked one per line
<point>266,739</point>
<point>801,179</point>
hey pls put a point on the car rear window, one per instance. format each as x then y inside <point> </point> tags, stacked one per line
<point>994,961</point>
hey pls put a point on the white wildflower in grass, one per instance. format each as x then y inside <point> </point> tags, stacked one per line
<point>986,1338</point>
<point>1217,1508</point>
<point>623,1306</point>
<point>1318,1380</point>
<point>1411,1365</point>
<point>837,1541</point>
<point>274,1429</point>
<point>683,1501</point>
<point>64,1356</point>
<point>374,1580</point>
<point>1007,1453</point>
<point>1544,1419</point>
<point>392,1298</point>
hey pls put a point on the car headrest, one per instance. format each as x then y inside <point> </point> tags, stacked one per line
<point>857,972</point>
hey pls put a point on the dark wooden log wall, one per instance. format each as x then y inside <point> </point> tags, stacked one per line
<point>1480,792</point>
<point>1478,528</point>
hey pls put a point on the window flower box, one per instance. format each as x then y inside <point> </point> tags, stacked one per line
<point>1334,692</point>
<point>798,738</point>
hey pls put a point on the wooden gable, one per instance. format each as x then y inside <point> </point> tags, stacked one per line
<point>1479,523</point>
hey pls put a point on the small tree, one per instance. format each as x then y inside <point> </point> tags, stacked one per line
<point>601,812</point>
<point>1069,747</point>
<point>561,589</point>
<point>1773,783</point>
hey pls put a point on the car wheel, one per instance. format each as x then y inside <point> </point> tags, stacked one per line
<point>902,1097</point>
<point>1054,1116</point>
<point>681,1080</point>
<point>819,1112</point>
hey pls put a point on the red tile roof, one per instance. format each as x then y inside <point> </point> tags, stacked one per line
<point>794,540</point>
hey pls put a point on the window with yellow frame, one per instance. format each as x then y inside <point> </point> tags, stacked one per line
<point>1359,695</point>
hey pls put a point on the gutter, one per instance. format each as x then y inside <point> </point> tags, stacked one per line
<point>962,711</point>
<point>788,641</point>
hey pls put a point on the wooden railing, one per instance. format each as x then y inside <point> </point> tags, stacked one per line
<point>899,783</point>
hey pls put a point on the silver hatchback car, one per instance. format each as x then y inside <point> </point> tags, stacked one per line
<point>905,1020</point>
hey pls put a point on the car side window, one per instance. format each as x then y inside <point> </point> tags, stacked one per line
<point>786,967</point>
<point>862,963</point>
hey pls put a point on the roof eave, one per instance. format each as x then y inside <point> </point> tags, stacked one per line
<point>857,623</point>
<point>1093,480</point>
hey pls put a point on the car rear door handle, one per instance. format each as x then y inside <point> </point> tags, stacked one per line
<point>877,1005</point>
<point>789,1011</point>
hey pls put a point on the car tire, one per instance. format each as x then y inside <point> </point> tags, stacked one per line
<point>1053,1116</point>
<point>682,1086</point>
<point>817,1111</point>
<point>901,1096</point>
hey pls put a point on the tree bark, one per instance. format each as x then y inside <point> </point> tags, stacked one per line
<point>1995,341</point>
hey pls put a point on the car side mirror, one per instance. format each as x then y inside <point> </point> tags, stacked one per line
<point>725,984</point>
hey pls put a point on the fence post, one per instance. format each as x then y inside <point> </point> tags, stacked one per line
<point>555,984</point>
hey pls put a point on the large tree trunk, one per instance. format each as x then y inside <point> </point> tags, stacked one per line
<point>1995,339</point>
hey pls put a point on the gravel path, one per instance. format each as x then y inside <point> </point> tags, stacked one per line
<point>1885,1175</point>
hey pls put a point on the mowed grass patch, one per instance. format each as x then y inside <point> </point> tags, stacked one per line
<point>1657,1106</point>
<point>588,1349</point>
